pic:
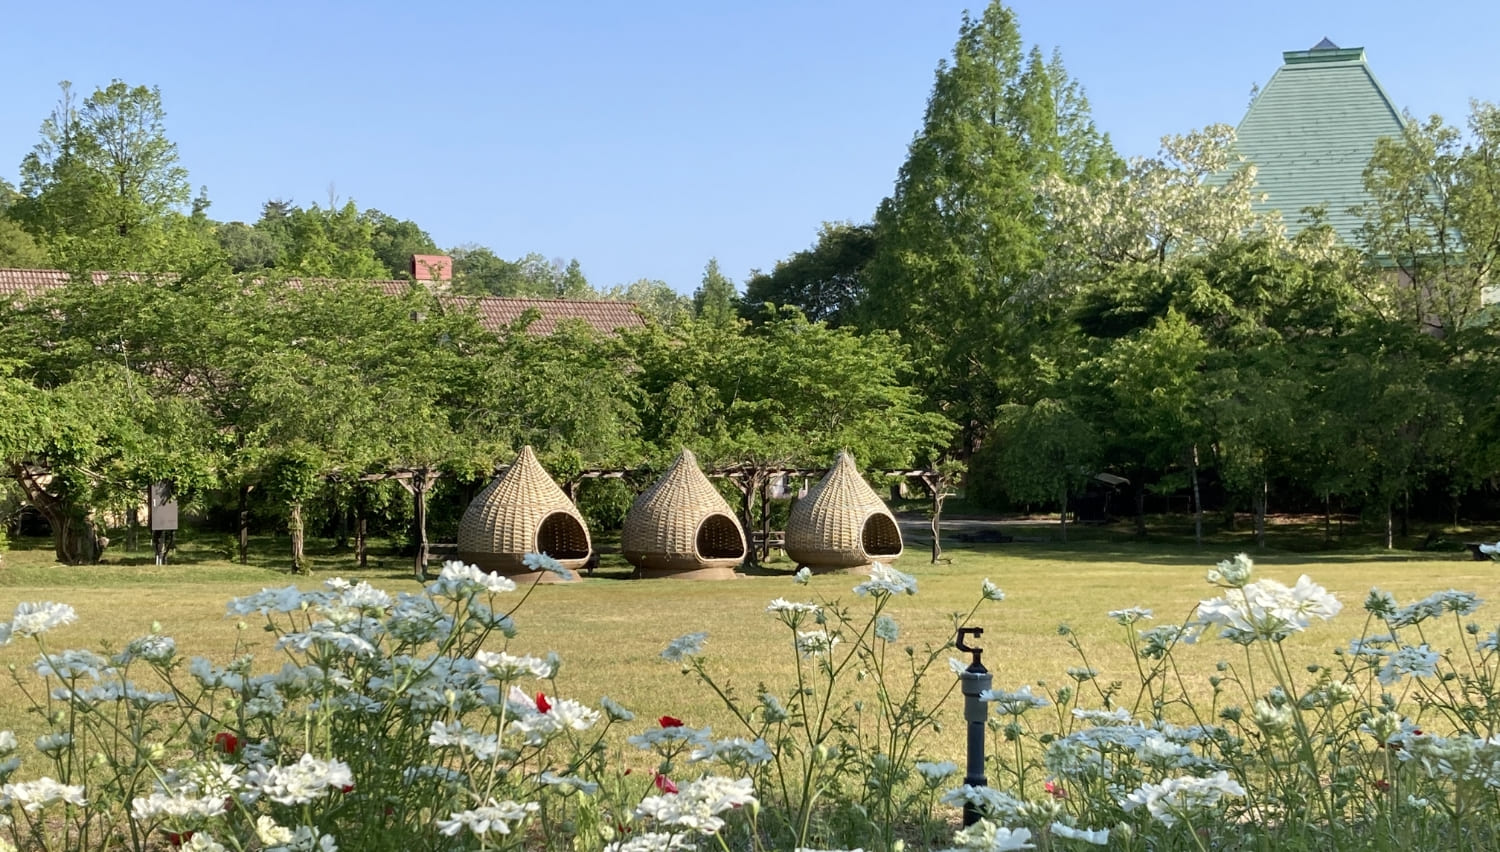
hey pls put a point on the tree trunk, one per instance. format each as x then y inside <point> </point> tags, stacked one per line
<point>765,519</point>
<point>1140,509</point>
<point>1406,514</point>
<point>361,526</point>
<point>1390,526</point>
<point>936,485</point>
<point>76,539</point>
<point>419,483</point>
<point>1063,516</point>
<point>294,527</point>
<point>749,485</point>
<point>1261,497</point>
<point>132,527</point>
<point>1327,520</point>
<point>1197,502</point>
<point>341,531</point>
<point>244,524</point>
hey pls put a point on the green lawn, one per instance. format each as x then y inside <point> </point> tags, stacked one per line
<point>610,629</point>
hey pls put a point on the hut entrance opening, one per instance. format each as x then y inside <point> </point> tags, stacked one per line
<point>719,538</point>
<point>881,537</point>
<point>561,536</point>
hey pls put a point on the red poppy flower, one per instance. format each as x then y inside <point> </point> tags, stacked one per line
<point>347,788</point>
<point>670,722</point>
<point>1382,785</point>
<point>1057,791</point>
<point>542,704</point>
<point>226,743</point>
<point>178,838</point>
<point>664,784</point>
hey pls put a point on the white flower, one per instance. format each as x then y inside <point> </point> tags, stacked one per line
<point>180,806</point>
<point>270,833</point>
<point>885,580</point>
<point>886,628</point>
<point>34,619</point>
<point>615,711</point>
<point>543,562</point>
<point>990,592</point>
<point>987,800</point>
<point>8,742</point>
<point>154,648</point>
<point>692,737</point>
<point>1268,610</point>
<point>783,605</point>
<point>1176,796</point>
<point>32,796</point>
<point>301,782</point>
<point>803,576</point>
<point>1013,703</point>
<point>305,838</point>
<point>361,596</point>
<point>1232,573</point>
<point>1117,716</point>
<point>568,782</point>
<point>493,816</point>
<point>1131,615</point>
<point>737,750</point>
<point>267,601</point>
<point>49,743</point>
<point>202,842</point>
<point>71,664</point>
<point>987,836</point>
<point>1417,661</point>
<point>697,805</point>
<point>815,643</point>
<point>934,773</point>
<point>481,745</point>
<point>1097,837</point>
<point>457,581</point>
<point>1490,549</point>
<point>503,666</point>
<point>957,666</point>
<point>683,647</point>
<point>653,841</point>
<point>1272,719</point>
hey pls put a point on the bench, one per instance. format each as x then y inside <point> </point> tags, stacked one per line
<point>776,539</point>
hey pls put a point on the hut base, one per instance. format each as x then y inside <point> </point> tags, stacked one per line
<point>709,573</point>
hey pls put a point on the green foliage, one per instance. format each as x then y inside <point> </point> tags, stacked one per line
<point>825,282</point>
<point>715,301</point>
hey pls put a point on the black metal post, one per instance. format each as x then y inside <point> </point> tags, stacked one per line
<point>975,680</point>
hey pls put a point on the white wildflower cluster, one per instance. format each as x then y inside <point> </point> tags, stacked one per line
<point>1433,606</point>
<point>736,751</point>
<point>33,619</point>
<point>653,841</point>
<point>989,802</point>
<point>1232,573</point>
<point>698,805</point>
<point>543,562</point>
<point>72,664</point>
<point>990,592</point>
<point>885,580</point>
<point>458,581</point>
<point>1127,617</point>
<point>1267,610</point>
<point>815,643</point>
<point>1460,757</point>
<point>154,648</point>
<point>934,774</point>
<point>497,818</point>
<point>299,783</point>
<point>1013,702</point>
<point>32,796</point>
<point>676,735</point>
<point>986,836</point>
<point>1174,798</point>
<point>684,647</point>
<point>1116,747</point>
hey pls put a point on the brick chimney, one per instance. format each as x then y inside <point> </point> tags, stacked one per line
<point>431,267</point>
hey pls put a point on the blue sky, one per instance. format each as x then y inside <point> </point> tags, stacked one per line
<point>645,137</point>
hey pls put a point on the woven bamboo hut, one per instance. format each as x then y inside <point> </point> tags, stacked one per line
<point>523,511</point>
<point>681,528</point>
<point>842,523</point>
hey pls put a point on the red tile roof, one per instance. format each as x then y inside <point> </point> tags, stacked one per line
<point>494,313</point>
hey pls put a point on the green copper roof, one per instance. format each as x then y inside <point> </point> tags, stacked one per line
<point>1311,132</point>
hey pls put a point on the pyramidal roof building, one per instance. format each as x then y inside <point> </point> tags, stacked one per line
<point>1311,132</point>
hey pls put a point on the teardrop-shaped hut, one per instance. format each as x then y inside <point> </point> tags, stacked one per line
<point>681,527</point>
<point>522,511</point>
<point>842,523</point>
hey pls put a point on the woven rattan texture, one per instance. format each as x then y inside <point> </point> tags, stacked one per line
<point>681,523</point>
<point>830,527</point>
<point>508,518</point>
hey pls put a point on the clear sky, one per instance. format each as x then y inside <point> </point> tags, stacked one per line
<point>645,137</point>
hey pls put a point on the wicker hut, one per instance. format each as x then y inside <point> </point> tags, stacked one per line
<point>681,528</point>
<point>522,511</point>
<point>842,523</point>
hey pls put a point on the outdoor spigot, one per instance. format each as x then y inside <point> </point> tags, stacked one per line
<point>975,680</point>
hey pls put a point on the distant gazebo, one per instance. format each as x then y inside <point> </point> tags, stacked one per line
<point>842,523</point>
<point>523,511</point>
<point>682,528</point>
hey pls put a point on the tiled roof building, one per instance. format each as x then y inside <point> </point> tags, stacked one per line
<point>494,313</point>
<point>1311,132</point>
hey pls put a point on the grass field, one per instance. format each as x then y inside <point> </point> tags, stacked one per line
<point>610,629</point>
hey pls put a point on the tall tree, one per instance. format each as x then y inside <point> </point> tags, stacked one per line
<point>394,241</point>
<point>964,230</point>
<point>1434,219</point>
<point>715,301</point>
<point>104,189</point>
